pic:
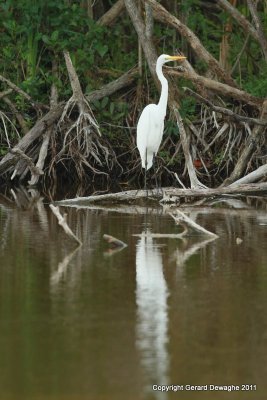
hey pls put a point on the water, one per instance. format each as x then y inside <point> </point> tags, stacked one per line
<point>93,323</point>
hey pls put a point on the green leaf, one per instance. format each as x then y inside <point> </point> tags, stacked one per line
<point>104,102</point>
<point>101,49</point>
<point>54,36</point>
<point>46,39</point>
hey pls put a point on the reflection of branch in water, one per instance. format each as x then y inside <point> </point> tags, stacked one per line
<point>117,245</point>
<point>181,256</point>
<point>62,267</point>
<point>4,230</point>
<point>152,313</point>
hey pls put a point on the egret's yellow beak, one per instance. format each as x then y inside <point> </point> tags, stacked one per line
<point>176,58</point>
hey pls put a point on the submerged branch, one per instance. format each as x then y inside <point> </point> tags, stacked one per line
<point>62,222</point>
<point>183,219</point>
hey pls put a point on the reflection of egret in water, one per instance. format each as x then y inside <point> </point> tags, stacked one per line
<point>152,317</point>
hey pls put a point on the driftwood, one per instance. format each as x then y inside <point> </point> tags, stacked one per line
<point>114,241</point>
<point>168,195</point>
<point>259,189</point>
<point>62,222</point>
<point>252,176</point>
<point>182,219</point>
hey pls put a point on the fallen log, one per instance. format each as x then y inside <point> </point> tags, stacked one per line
<point>168,195</point>
<point>171,194</point>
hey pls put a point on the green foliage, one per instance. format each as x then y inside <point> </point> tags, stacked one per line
<point>257,84</point>
<point>35,32</point>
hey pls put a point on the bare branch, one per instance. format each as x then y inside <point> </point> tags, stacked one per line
<point>252,176</point>
<point>22,93</point>
<point>218,87</point>
<point>123,81</point>
<point>259,28</point>
<point>248,149</point>
<point>225,111</point>
<point>19,154</point>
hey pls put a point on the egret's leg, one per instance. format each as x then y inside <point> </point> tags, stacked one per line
<point>155,169</point>
<point>145,188</point>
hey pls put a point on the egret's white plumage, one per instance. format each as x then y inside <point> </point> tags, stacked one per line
<point>151,122</point>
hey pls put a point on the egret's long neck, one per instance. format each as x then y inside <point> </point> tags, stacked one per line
<point>164,89</point>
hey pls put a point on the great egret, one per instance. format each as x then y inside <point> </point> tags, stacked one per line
<point>151,122</point>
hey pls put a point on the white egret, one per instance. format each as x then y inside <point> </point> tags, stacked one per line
<point>151,122</point>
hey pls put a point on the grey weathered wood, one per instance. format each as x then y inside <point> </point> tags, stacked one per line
<point>171,194</point>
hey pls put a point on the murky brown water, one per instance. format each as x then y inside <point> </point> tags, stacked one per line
<point>95,324</point>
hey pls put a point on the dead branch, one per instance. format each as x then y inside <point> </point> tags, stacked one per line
<point>252,176</point>
<point>194,182</point>
<point>42,156</point>
<point>62,222</point>
<point>17,114</point>
<point>167,195</point>
<point>172,194</point>
<point>114,241</point>
<point>38,129</point>
<point>47,135</point>
<point>217,87</point>
<point>86,118</point>
<point>225,111</point>
<point>112,87</point>
<point>182,218</point>
<point>248,149</point>
<point>22,93</point>
<point>113,197</point>
<point>258,24</point>
<point>19,154</point>
<point>5,93</point>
